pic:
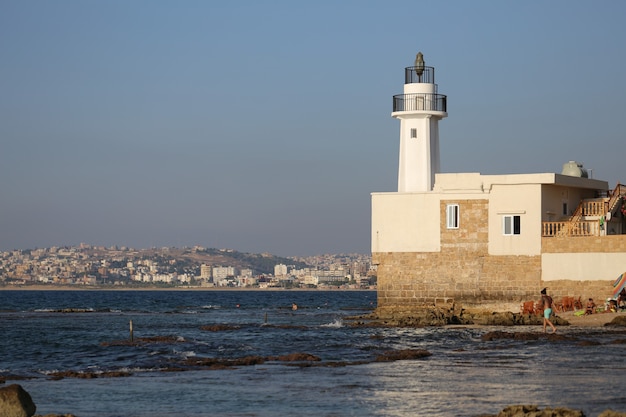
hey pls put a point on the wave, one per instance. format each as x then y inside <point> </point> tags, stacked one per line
<point>65,310</point>
<point>94,372</point>
<point>338,323</point>
<point>185,354</point>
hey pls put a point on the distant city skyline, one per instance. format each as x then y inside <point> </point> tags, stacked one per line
<point>265,126</point>
<point>86,265</point>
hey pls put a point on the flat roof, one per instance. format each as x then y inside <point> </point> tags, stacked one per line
<point>472,181</point>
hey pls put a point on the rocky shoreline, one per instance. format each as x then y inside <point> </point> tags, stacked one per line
<point>451,316</point>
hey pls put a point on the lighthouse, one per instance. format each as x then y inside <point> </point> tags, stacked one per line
<point>419,110</point>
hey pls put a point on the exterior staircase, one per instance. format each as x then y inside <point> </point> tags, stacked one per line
<point>589,216</point>
<point>615,198</point>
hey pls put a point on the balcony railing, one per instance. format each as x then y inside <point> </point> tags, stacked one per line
<point>567,228</point>
<point>589,208</point>
<point>420,101</point>
<point>593,207</point>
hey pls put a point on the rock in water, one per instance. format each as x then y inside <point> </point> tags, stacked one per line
<point>534,411</point>
<point>16,402</point>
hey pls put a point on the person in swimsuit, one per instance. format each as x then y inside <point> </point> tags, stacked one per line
<point>621,299</point>
<point>546,300</point>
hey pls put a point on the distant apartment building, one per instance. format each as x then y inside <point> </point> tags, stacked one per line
<point>334,275</point>
<point>247,281</point>
<point>222,272</point>
<point>246,273</point>
<point>310,280</point>
<point>205,272</point>
<point>280,270</point>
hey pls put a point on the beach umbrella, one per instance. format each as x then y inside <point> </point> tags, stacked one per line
<point>619,284</point>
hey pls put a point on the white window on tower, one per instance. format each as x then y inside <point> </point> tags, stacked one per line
<point>452,216</point>
<point>413,133</point>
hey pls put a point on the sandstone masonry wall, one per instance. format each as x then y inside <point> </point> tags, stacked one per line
<point>598,290</point>
<point>602,244</point>
<point>463,273</point>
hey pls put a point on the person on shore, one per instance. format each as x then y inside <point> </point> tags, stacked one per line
<point>546,301</point>
<point>611,305</point>
<point>621,299</point>
<point>591,306</point>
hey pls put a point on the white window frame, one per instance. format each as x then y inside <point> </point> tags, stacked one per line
<point>452,216</point>
<point>508,225</point>
<point>413,133</point>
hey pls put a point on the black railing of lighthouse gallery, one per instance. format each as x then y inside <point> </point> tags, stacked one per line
<point>420,101</point>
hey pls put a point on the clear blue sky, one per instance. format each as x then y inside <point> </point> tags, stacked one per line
<point>263,126</point>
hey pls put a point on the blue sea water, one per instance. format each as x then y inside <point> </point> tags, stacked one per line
<point>45,332</point>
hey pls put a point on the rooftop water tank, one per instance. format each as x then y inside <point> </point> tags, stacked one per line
<point>574,169</point>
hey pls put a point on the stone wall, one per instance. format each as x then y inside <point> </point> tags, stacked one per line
<point>580,244</point>
<point>598,290</point>
<point>583,290</point>
<point>463,273</point>
<point>408,281</point>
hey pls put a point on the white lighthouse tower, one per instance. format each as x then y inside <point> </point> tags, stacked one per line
<point>419,109</point>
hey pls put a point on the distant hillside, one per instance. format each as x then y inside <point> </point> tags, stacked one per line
<point>194,257</point>
<point>260,263</point>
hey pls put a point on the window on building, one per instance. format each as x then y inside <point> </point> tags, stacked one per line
<point>511,225</point>
<point>565,209</point>
<point>452,216</point>
<point>413,133</point>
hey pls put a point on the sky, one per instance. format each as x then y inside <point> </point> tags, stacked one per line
<point>264,126</point>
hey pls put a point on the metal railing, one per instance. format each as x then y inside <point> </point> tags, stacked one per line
<point>420,101</point>
<point>413,75</point>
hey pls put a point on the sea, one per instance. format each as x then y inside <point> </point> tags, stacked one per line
<point>249,353</point>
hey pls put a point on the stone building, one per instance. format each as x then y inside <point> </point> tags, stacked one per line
<point>487,241</point>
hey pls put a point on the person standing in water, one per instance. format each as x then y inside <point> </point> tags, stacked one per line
<point>546,300</point>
